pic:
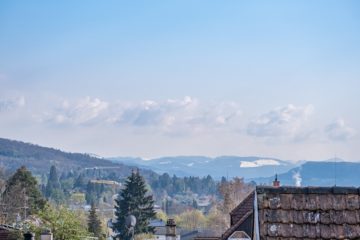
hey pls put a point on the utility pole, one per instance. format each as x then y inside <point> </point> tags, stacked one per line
<point>25,203</point>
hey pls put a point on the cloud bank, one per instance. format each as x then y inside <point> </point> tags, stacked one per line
<point>339,131</point>
<point>171,126</point>
<point>84,111</point>
<point>172,116</point>
<point>285,121</point>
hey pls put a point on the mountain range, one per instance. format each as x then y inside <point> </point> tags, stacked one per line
<point>261,170</point>
<point>224,166</point>
<point>324,173</point>
<point>258,169</point>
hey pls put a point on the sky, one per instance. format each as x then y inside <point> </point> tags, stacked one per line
<point>166,78</point>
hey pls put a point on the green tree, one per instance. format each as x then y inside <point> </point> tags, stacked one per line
<point>194,204</point>
<point>63,223</point>
<point>134,200</point>
<point>22,194</point>
<point>161,215</point>
<point>94,192</point>
<point>217,220</point>
<point>80,181</point>
<point>53,188</point>
<point>191,219</point>
<point>94,223</point>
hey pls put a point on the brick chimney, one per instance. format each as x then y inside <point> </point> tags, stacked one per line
<point>276,183</point>
<point>170,229</point>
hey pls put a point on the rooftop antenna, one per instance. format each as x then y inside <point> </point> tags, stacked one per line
<point>335,169</point>
<point>275,173</point>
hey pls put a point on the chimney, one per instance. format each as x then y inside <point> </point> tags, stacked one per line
<point>29,236</point>
<point>46,235</point>
<point>170,229</point>
<point>276,183</point>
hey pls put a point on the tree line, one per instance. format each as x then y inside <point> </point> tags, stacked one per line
<point>177,185</point>
<point>22,204</point>
<point>21,196</point>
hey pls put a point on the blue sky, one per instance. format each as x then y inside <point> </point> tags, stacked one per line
<point>154,78</point>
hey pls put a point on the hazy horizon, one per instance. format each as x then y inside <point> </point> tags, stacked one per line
<point>153,78</point>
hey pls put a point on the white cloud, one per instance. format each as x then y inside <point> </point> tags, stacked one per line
<point>12,103</point>
<point>281,122</point>
<point>177,116</point>
<point>339,131</point>
<point>84,111</point>
<point>170,127</point>
<point>172,116</point>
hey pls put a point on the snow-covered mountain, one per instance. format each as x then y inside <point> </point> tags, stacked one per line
<point>227,166</point>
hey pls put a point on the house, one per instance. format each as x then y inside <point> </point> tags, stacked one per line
<point>7,232</point>
<point>275,212</point>
<point>163,231</point>
<point>204,203</point>
<point>160,233</point>
<point>204,234</point>
<point>167,232</point>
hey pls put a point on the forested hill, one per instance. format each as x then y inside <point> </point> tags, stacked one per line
<point>14,154</point>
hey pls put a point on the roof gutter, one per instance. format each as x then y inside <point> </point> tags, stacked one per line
<point>256,219</point>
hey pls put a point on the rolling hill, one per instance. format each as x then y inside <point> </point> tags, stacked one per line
<point>38,159</point>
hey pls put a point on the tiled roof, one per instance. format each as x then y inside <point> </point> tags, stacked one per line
<point>243,208</point>
<point>5,232</point>
<point>233,228</point>
<point>308,213</point>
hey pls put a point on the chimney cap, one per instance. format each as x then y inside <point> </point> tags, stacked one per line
<point>46,231</point>
<point>170,222</point>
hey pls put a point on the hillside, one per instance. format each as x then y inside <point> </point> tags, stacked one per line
<point>327,173</point>
<point>14,154</point>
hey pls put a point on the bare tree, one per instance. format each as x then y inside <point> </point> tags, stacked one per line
<point>233,192</point>
<point>14,204</point>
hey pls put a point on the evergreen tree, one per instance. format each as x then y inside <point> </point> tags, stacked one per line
<point>94,192</point>
<point>194,204</point>
<point>53,188</point>
<point>80,181</point>
<point>22,188</point>
<point>94,223</point>
<point>134,200</point>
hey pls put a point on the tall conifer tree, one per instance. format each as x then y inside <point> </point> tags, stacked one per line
<point>134,200</point>
<point>94,223</point>
<point>53,187</point>
<point>53,182</point>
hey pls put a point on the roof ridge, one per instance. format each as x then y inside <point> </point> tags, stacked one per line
<point>251,194</point>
